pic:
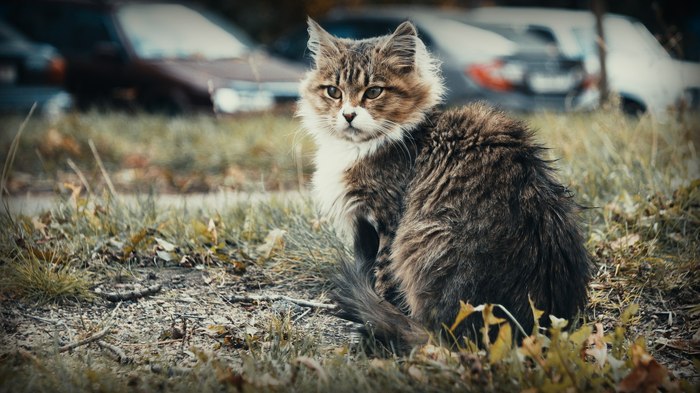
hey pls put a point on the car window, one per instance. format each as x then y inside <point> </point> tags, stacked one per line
<point>468,42</point>
<point>72,29</point>
<point>175,31</point>
<point>621,36</point>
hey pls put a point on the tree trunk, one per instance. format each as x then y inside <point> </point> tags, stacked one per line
<point>599,11</point>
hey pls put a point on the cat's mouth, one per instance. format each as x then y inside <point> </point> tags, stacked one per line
<point>354,134</point>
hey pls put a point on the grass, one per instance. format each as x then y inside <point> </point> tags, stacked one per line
<point>640,179</point>
<point>162,154</point>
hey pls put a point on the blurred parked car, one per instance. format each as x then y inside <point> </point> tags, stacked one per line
<point>30,73</point>
<point>159,55</point>
<point>477,64</point>
<point>638,68</point>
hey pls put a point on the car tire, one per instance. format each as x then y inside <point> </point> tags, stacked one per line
<point>632,107</point>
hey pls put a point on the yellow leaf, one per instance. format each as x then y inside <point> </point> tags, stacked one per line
<point>558,323</point>
<point>629,312</point>
<point>532,347</point>
<point>579,336</point>
<point>489,318</point>
<point>501,347</point>
<point>465,310</point>
<point>536,314</point>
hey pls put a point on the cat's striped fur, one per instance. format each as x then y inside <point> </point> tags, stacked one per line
<point>441,206</point>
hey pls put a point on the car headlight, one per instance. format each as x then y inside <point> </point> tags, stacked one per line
<point>226,100</point>
<point>230,100</point>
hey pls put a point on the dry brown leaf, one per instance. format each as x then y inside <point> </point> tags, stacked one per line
<point>597,347</point>
<point>417,374</point>
<point>625,242</point>
<point>647,376</point>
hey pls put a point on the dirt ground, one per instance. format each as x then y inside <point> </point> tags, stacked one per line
<point>192,308</point>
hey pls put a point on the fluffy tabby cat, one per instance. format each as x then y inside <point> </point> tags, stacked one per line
<point>441,206</point>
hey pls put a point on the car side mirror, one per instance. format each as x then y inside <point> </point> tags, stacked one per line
<point>107,51</point>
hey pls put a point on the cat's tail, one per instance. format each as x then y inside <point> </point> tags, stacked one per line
<point>358,302</point>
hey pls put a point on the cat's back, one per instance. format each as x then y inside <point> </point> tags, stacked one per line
<point>476,154</point>
<point>476,126</point>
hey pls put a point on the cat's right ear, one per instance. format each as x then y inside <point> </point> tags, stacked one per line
<point>322,44</point>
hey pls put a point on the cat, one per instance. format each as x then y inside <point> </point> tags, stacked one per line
<point>440,206</point>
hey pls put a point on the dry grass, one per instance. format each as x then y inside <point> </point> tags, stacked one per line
<point>639,178</point>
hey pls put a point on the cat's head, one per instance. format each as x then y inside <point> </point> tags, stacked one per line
<point>368,90</point>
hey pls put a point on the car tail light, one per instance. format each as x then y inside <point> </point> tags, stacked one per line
<point>57,70</point>
<point>590,81</point>
<point>496,75</point>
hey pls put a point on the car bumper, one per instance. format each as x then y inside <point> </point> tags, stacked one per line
<point>49,100</point>
<point>519,102</point>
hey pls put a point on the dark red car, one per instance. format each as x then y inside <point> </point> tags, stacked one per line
<point>158,55</point>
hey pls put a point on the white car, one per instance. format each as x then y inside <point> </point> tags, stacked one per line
<point>639,69</point>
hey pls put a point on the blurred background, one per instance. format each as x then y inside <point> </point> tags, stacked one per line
<point>228,57</point>
<point>184,95</point>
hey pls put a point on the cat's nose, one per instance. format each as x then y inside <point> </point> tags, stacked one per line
<point>349,116</point>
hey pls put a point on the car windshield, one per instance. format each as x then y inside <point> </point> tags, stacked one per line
<point>463,40</point>
<point>621,36</point>
<point>158,31</point>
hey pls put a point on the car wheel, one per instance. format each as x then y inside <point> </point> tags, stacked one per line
<point>173,104</point>
<point>632,107</point>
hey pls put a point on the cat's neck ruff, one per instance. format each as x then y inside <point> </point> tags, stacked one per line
<point>334,156</point>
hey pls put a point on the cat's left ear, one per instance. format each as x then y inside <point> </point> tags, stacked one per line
<point>400,47</point>
<point>322,44</point>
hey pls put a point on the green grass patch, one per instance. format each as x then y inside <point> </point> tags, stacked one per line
<point>639,179</point>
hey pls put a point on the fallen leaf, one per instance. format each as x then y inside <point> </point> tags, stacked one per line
<point>166,256</point>
<point>625,242</point>
<point>597,347</point>
<point>274,242</point>
<point>503,344</point>
<point>211,229</point>
<point>558,323</point>
<point>647,376</point>
<point>417,374</point>
<point>314,365</point>
<point>166,246</point>
<point>465,310</point>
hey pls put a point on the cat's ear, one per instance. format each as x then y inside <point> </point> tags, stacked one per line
<point>321,44</point>
<point>400,47</point>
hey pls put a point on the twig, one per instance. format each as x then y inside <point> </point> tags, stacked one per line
<point>121,355</point>
<point>302,315</point>
<point>300,302</point>
<point>102,168</point>
<point>170,371</point>
<point>42,319</point>
<point>129,295</point>
<point>78,172</point>
<point>164,342</point>
<point>88,340</point>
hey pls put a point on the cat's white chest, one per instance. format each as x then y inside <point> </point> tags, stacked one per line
<point>333,159</point>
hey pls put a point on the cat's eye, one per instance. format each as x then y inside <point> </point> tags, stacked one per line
<point>373,92</point>
<point>333,92</point>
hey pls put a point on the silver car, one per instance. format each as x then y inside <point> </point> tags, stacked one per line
<point>477,64</point>
<point>644,75</point>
